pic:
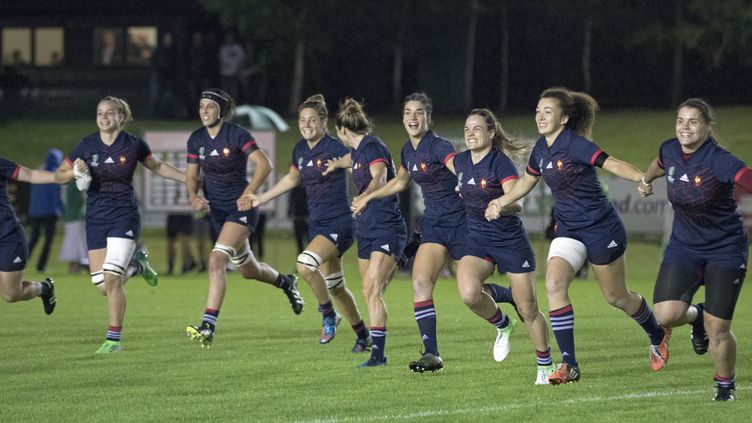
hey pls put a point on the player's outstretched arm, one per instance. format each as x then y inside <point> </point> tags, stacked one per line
<point>397,184</point>
<point>164,169</point>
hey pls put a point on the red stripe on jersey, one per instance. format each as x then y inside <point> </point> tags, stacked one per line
<point>379,160</point>
<point>149,156</point>
<point>69,161</point>
<point>660,163</point>
<point>595,156</point>
<point>292,166</point>
<point>743,178</point>
<point>510,177</point>
<point>192,156</point>
<point>14,176</point>
<point>532,171</point>
<point>449,156</point>
<point>565,309</point>
<point>249,144</point>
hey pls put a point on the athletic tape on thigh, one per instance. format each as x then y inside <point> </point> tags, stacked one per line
<point>571,250</point>
<point>335,280</point>
<point>310,260</point>
<point>119,254</point>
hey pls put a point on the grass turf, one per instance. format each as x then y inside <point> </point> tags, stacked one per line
<point>266,363</point>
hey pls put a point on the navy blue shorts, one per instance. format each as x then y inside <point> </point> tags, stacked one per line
<point>605,242</point>
<point>340,235</point>
<point>515,258</point>
<point>451,237</point>
<point>248,218</point>
<point>389,244</point>
<point>14,251</point>
<point>98,230</point>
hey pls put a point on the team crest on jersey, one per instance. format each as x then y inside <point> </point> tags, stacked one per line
<point>122,160</point>
<point>226,152</point>
<point>559,164</point>
<point>95,160</point>
<point>423,166</point>
<point>483,183</point>
<point>698,181</point>
<point>318,162</point>
<point>670,176</point>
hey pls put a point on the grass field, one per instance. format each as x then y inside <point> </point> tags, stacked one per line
<point>266,364</point>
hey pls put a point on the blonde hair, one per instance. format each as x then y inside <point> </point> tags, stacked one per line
<point>515,148</point>
<point>317,103</point>
<point>352,116</point>
<point>124,110</point>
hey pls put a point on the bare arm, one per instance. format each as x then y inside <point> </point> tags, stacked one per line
<point>344,162</point>
<point>378,173</point>
<point>398,184</point>
<point>164,169</point>
<point>622,169</point>
<point>192,185</point>
<point>263,169</point>
<point>520,189</point>
<point>36,176</point>
<point>288,182</point>
<point>64,173</point>
<point>645,186</point>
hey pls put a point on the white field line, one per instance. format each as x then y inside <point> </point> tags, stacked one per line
<point>511,406</point>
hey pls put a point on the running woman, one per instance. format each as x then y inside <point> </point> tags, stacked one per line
<point>222,150</point>
<point>427,159</point>
<point>380,229</point>
<point>587,225</point>
<point>330,232</point>
<point>14,247</point>
<point>104,163</point>
<point>708,244</point>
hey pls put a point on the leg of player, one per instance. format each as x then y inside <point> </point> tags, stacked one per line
<point>13,288</point>
<point>559,275</point>
<point>611,279</point>
<point>375,273</point>
<point>429,262</point>
<point>114,268</point>
<point>343,297</point>
<point>308,265</point>
<point>471,273</point>
<point>723,350</point>
<point>523,290</point>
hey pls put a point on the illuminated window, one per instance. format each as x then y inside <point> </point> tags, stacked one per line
<point>108,46</point>
<point>48,47</point>
<point>142,40</point>
<point>16,46</point>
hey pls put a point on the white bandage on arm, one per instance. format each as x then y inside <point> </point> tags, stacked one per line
<point>571,250</point>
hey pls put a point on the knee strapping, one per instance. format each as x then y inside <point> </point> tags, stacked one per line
<point>97,278</point>
<point>225,249</point>
<point>310,260</point>
<point>335,280</point>
<point>242,257</point>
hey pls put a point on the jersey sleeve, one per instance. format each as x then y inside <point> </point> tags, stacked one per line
<point>533,166</point>
<point>192,149</point>
<point>505,169</point>
<point>374,155</point>
<point>339,149</point>
<point>8,169</point>
<point>441,151</point>
<point>585,151</point>
<point>144,151</point>
<point>77,153</point>
<point>244,141</point>
<point>728,168</point>
<point>662,154</point>
<point>293,163</point>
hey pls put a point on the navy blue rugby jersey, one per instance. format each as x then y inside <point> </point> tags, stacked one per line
<point>326,196</point>
<point>9,222</point>
<point>479,184</point>
<point>111,192</point>
<point>568,167</point>
<point>427,167</point>
<point>701,190</point>
<point>224,161</point>
<point>381,215</point>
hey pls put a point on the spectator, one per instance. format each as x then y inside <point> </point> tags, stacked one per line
<point>45,206</point>
<point>203,233</point>
<point>231,57</point>
<point>73,250</point>
<point>179,231</point>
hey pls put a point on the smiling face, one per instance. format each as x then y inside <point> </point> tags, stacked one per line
<point>311,126</point>
<point>416,120</point>
<point>691,129</point>
<point>109,118</point>
<point>549,118</point>
<point>208,111</point>
<point>477,135</point>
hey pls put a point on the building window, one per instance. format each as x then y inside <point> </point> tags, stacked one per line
<point>142,40</point>
<point>48,46</point>
<point>16,46</point>
<point>108,46</point>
